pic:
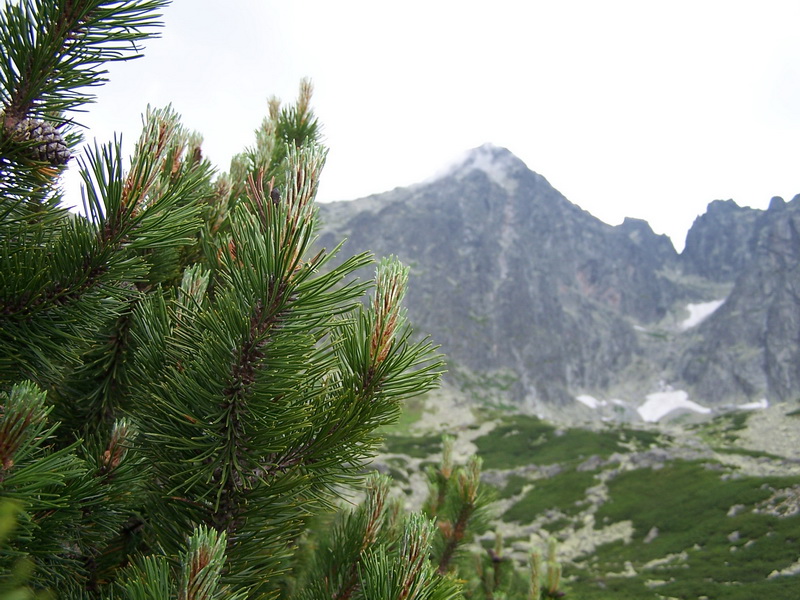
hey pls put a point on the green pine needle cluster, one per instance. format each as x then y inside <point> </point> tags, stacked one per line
<point>185,386</point>
<point>187,390</point>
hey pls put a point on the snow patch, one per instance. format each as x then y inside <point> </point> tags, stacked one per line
<point>699,312</point>
<point>659,404</point>
<point>590,401</point>
<point>759,405</point>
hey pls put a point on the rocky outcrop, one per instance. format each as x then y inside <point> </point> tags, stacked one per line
<point>656,249</point>
<point>508,275</point>
<point>719,243</point>
<point>751,345</point>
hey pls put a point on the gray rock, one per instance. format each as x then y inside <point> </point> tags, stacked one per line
<point>750,347</point>
<point>651,535</point>
<point>718,245</point>
<point>509,276</point>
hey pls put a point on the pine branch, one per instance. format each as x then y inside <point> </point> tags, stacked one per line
<point>258,383</point>
<point>458,502</point>
<point>202,565</point>
<point>73,505</point>
<point>404,572</point>
<point>52,49</point>
<point>51,52</point>
<point>439,478</point>
<point>148,579</point>
<point>553,574</point>
<point>108,499</point>
<point>535,589</point>
<point>231,383</point>
<point>334,572</point>
<point>21,422</point>
<point>70,281</point>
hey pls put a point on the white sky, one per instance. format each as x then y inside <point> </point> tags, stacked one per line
<point>629,108</point>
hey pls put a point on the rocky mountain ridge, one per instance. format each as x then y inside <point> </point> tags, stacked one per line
<point>521,286</point>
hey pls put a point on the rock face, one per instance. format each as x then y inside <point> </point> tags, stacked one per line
<point>751,346</point>
<point>718,246</point>
<point>508,275</point>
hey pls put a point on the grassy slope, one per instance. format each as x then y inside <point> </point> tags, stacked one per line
<point>700,527</point>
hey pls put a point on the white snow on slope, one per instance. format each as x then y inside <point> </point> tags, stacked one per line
<point>759,405</point>
<point>590,401</point>
<point>699,312</point>
<point>659,404</point>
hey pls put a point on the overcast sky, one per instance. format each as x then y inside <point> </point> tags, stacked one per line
<point>641,109</point>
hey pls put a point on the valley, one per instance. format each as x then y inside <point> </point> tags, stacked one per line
<point>680,509</point>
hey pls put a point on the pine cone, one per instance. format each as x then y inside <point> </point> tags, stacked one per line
<point>49,147</point>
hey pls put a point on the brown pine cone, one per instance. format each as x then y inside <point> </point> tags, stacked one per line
<point>49,147</point>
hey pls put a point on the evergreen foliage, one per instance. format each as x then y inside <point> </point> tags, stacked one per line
<point>183,385</point>
<point>187,390</point>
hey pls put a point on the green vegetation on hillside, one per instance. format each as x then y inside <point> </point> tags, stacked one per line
<point>522,440</point>
<point>414,446</point>
<point>723,429</point>
<point>564,492</point>
<point>699,527</point>
<point>719,525</point>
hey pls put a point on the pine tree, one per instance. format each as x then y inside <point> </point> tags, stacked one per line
<point>187,389</point>
<point>185,384</point>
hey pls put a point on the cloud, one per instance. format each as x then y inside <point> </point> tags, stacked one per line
<point>628,108</point>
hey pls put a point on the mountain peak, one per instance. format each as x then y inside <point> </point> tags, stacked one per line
<point>498,163</point>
